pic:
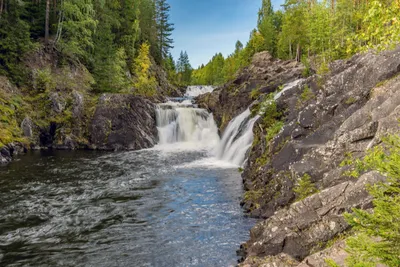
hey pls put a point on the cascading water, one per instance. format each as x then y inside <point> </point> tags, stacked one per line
<point>237,139</point>
<point>182,122</point>
<point>196,90</point>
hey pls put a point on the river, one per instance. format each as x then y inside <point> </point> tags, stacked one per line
<point>173,205</point>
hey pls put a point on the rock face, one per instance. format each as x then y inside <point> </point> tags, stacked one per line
<point>7,152</point>
<point>123,122</point>
<point>297,230</point>
<point>264,75</point>
<point>345,112</point>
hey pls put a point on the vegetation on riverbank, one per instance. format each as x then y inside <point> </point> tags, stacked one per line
<point>314,32</point>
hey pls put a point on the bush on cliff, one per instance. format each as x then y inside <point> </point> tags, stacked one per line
<point>378,238</point>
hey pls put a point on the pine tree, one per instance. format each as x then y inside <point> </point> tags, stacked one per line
<point>170,68</point>
<point>238,47</point>
<point>14,40</point>
<point>108,59</point>
<point>164,28</point>
<point>148,28</point>
<point>184,68</point>
<point>377,238</point>
<point>77,28</point>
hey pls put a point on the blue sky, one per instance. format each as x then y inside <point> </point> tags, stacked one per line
<point>205,27</point>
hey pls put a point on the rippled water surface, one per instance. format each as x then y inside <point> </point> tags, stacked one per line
<point>145,208</point>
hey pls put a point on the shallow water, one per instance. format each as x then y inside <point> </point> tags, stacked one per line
<point>158,207</point>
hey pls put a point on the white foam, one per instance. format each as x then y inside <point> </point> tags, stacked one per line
<point>196,90</point>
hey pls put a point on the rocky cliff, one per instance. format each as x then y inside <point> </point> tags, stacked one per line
<point>304,132</point>
<point>57,109</point>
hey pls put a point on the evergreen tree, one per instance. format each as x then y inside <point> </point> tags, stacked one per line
<point>377,238</point>
<point>108,59</point>
<point>238,47</point>
<point>148,28</point>
<point>14,40</point>
<point>184,68</point>
<point>170,68</point>
<point>164,28</point>
<point>77,28</point>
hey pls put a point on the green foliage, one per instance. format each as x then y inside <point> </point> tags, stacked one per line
<point>304,187</point>
<point>377,238</point>
<point>145,83</point>
<point>108,59</point>
<point>14,41</point>
<point>44,80</point>
<point>184,69</point>
<point>164,28</point>
<point>305,96</point>
<point>77,28</point>
<point>9,123</point>
<point>331,263</point>
<point>350,100</point>
<point>255,93</point>
<point>273,130</point>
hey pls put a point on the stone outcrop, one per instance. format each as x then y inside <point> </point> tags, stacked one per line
<point>61,111</point>
<point>325,118</point>
<point>264,75</point>
<point>123,122</point>
<point>345,113</point>
<point>299,229</point>
<point>10,150</point>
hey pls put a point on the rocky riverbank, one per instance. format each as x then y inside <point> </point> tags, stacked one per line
<point>304,135</point>
<point>59,110</point>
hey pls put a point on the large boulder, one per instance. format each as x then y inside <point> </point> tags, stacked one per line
<point>123,122</point>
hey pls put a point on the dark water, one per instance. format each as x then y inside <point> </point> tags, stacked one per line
<point>121,209</point>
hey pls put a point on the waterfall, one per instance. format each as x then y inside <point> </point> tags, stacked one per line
<point>196,90</point>
<point>182,122</point>
<point>237,138</point>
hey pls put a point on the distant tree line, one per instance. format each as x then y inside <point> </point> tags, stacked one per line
<point>311,31</point>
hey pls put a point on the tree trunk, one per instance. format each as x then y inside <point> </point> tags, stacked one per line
<point>298,53</point>
<point>46,26</point>
<point>1,7</point>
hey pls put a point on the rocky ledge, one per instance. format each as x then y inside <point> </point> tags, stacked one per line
<point>313,125</point>
<point>123,122</point>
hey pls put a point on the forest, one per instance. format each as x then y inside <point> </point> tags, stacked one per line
<point>117,41</point>
<point>313,32</point>
<point>127,38</point>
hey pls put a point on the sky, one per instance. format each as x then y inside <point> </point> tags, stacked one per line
<point>206,27</point>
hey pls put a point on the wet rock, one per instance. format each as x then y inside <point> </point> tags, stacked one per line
<point>123,122</point>
<point>10,150</point>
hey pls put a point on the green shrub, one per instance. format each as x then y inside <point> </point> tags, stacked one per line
<point>378,232</point>
<point>304,187</point>
<point>44,81</point>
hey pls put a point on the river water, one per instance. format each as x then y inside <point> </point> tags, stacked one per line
<point>174,205</point>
